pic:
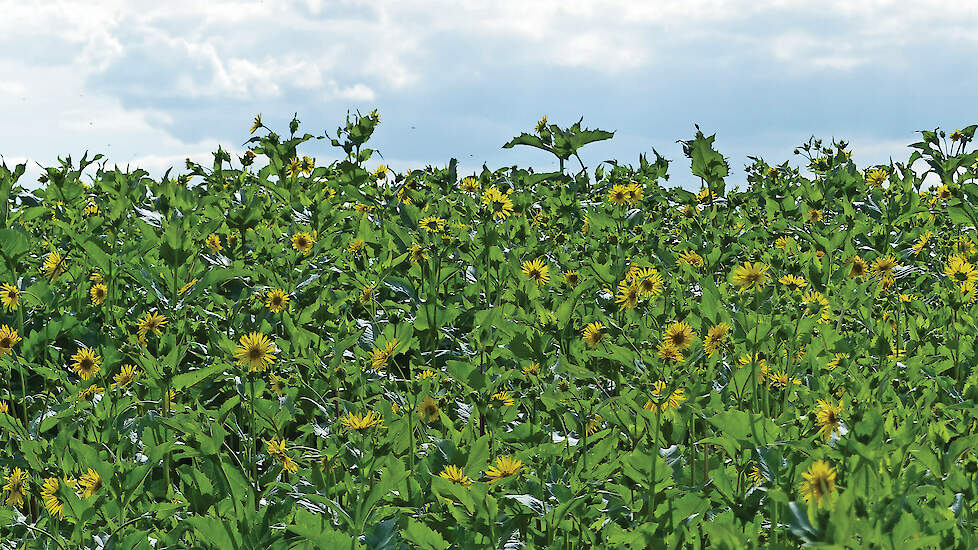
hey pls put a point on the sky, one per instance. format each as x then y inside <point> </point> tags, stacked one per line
<point>149,84</point>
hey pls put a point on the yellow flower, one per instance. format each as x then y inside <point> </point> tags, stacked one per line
<point>670,353</point>
<point>379,357</point>
<point>90,392</point>
<point>618,195</point>
<point>49,493</point>
<point>256,125</point>
<point>537,270</point>
<point>750,276</point>
<point>628,294</point>
<point>433,223</point>
<point>793,280</point>
<point>593,333</point>
<point>470,185</point>
<point>86,363</point>
<point>151,322</point>
<point>256,351</point>
<point>883,267</point>
<point>428,409</point>
<point>965,245</point>
<point>4,407</point>
<point>691,258</point>
<point>302,242</point>
<point>380,172</point>
<point>355,246</point>
<point>10,296</point>
<point>661,401</point>
<point>572,278</point>
<point>367,292</point>
<point>8,339</point>
<point>427,374</point>
<point>355,422</point>
<point>817,305</point>
<point>756,476</point>
<point>98,293</point>
<point>126,375</point>
<point>679,335</point>
<point>90,483</point>
<point>755,359</point>
<point>505,467</point>
<point>503,398</point>
<point>214,243</point>
<point>276,300</point>
<point>715,338</point>
<point>455,475</point>
<point>876,178</point>
<point>276,449</point>
<point>294,167</point>
<point>16,487</point>
<point>961,271</point>
<point>921,242</point>
<point>635,193</point>
<point>533,369</point>
<point>498,203</point>
<point>787,244</point>
<point>417,253</point>
<point>542,125</point>
<point>819,483</point>
<point>649,281</point>
<point>858,267</point>
<point>814,215</point>
<point>836,359</point>
<point>53,265</point>
<point>827,418</point>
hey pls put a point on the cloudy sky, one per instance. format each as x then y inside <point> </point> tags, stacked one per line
<point>151,83</point>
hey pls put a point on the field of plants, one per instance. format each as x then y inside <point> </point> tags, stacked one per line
<point>271,353</point>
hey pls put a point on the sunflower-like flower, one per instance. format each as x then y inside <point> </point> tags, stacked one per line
<point>256,352</point>
<point>755,359</point>
<point>537,270</point>
<point>417,253</point>
<point>90,482</point>
<point>661,400</point>
<point>355,246</point>
<point>679,335</point>
<point>532,369</point>
<point>125,376</point>
<point>541,125</point>
<point>357,423</point>
<point>470,185</point>
<point>572,278</point>
<point>618,195</point>
<point>502,398</point>
<point>379,357</point>
<point>635,193</point>
<point>883,267</point>
<point>628,295</point>
<point>790,280</point>
<point>817,305</point>
<point>53,265</point>
<point>151,323</point>
<point>593,333</point>
<point>750,276</point>
<point>433,224</point>
<point>86,363</point>
<point>959,270</point>
<point>8,339</point>
<point>857,267</point>
<point>505,467</point>
<point>670,353</point>
<point>16,487</point>
<point>213,242</point>
<point>277,450</point>
<point>918,246</point>
<point>498,203</point>
<point>302,242</point>
<point>691,258</point>
<point>455,475</point>
<point>716,337</point>
<point>49,494</point>
<point>98,293</point>
<point>256,124</point>
<point>276,300</point>
<point>428,409</point>
<point>876,178</point>
<point>827,418</point>
<point>649,281</point>
<point>819,483</point>
<point>9,296</point>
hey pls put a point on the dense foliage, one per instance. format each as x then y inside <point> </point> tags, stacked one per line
<point>286,355</point>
